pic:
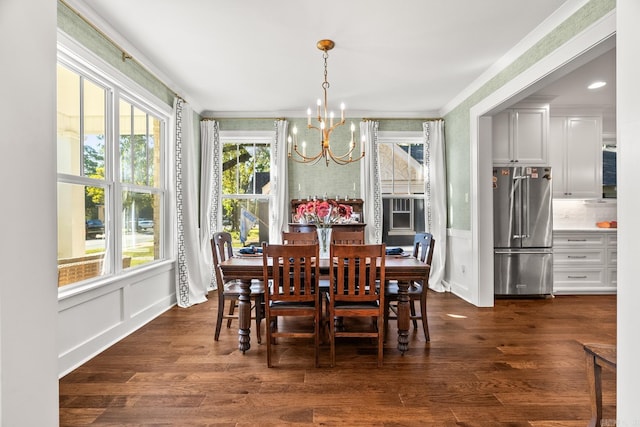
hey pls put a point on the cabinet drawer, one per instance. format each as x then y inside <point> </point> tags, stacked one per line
<point>612,239</point>
<point>573,277</point>
<point>612,257</point>
<point>573,240</point>
<point>579,256</point>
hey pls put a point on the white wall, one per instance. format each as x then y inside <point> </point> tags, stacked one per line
<point>628,110</point>
<point>28,275</point>
<point>89,322</point>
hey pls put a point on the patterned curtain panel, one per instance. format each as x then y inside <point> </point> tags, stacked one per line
<point>370,190</point>
<point>193,276</point>
<point>436,198</point>
<point>209,191</point>
<point>279,183</point>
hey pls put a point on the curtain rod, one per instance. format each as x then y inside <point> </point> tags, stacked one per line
<point>243,118</point>
<point>401,118</point>
<point>125,54</point>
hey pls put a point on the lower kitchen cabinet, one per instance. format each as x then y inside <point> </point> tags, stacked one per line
<point>584,262</point>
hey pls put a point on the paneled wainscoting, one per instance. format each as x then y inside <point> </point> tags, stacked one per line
<point>520,363</point>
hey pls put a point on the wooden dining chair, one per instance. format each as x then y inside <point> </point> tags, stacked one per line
<point>221,248</point>
<point>354,292</point>
<point>290,275</point>
<point>347,237</point>
<point>299,237</point>
<point>423,245</point>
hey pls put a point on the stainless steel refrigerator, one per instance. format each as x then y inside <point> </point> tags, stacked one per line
<point>522,230</point>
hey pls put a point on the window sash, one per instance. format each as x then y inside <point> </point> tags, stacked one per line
<point>118,87</point>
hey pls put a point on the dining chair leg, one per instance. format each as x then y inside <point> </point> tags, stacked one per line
<point>220,315</point>
<point>380,341</point>
<point>270,339</point>
<point>258,317</point>
<point>423,314</point>
<point>413,315</point>
<point>232,306</point>
<point>332,342</point>
<point>386,318</point>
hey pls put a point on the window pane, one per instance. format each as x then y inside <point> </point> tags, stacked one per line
<point>81,123</point>
<point>401,168</point>
<point>247,220</point>
<point>126,167</point>
<point>153,152</point>
<point>68,121</point>
<point>81,233</point>
<point>246,169</point>
<point>139,158</point>
<point>141,227</point>
<point>93,129</point>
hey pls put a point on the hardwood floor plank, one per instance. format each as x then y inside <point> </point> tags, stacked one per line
<point>520,363</point>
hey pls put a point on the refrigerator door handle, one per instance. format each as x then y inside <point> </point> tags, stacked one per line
<point>527,208</point>
<point>516,198</point>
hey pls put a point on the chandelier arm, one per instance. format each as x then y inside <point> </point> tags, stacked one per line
<point>305,158</point>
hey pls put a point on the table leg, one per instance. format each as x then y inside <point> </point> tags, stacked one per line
<point>244,316</point>
<point>594,378</point>
<point>403,316</point>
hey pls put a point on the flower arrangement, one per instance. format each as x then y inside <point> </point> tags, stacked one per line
<point>323,213</point>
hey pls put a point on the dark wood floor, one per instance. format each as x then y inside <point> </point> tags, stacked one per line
<point>520,363</point>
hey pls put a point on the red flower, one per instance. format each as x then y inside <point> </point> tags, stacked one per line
<point>323,210</point>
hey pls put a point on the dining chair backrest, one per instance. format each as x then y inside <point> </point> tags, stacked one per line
<point>222,250</point>
<point>347,237</point>
<point>423,245</point>
<point>299,237</point>
<point>292,272</point>
<point>357,269</point>
<point>357,278</point>
<point>229,291</point>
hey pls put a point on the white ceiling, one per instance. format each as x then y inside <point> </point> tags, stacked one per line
<point>254,58</point>
<point>571,90</point>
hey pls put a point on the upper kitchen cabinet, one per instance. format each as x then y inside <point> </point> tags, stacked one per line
<point>575,156</point>
<point>520,136</point>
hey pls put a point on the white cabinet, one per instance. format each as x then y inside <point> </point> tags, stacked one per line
<point>520,136</point>
<point>584,262</point>
<point>575,156</point>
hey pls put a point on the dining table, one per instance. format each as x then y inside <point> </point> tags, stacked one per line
<point>401,268</point>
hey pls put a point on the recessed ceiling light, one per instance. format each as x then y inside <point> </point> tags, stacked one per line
<point>596,85</point>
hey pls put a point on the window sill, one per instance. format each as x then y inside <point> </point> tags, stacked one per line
<point>116,281</point>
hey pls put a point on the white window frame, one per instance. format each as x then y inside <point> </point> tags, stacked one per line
<point>401,137</point>
<point>80,60</point>
<point>247,137</point>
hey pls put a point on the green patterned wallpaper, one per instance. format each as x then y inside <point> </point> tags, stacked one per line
<point>457,121</point>
<point>85,34</point>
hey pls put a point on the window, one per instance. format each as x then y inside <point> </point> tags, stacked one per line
<point>402,174</point>
<point>246,192</point>
<point>111,192</point>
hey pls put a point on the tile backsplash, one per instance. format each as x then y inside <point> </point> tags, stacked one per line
<point>569,213</point>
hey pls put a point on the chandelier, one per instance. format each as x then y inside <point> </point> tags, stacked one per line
<point>325,126</point>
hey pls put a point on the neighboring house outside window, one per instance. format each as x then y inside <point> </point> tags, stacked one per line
<point>402,174</point>
<point>246,192</point>
<point>111,189</point>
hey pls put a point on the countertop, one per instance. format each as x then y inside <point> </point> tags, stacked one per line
<point>584,228</point>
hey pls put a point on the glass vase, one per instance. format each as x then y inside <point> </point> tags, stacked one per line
<point>324,241</point>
